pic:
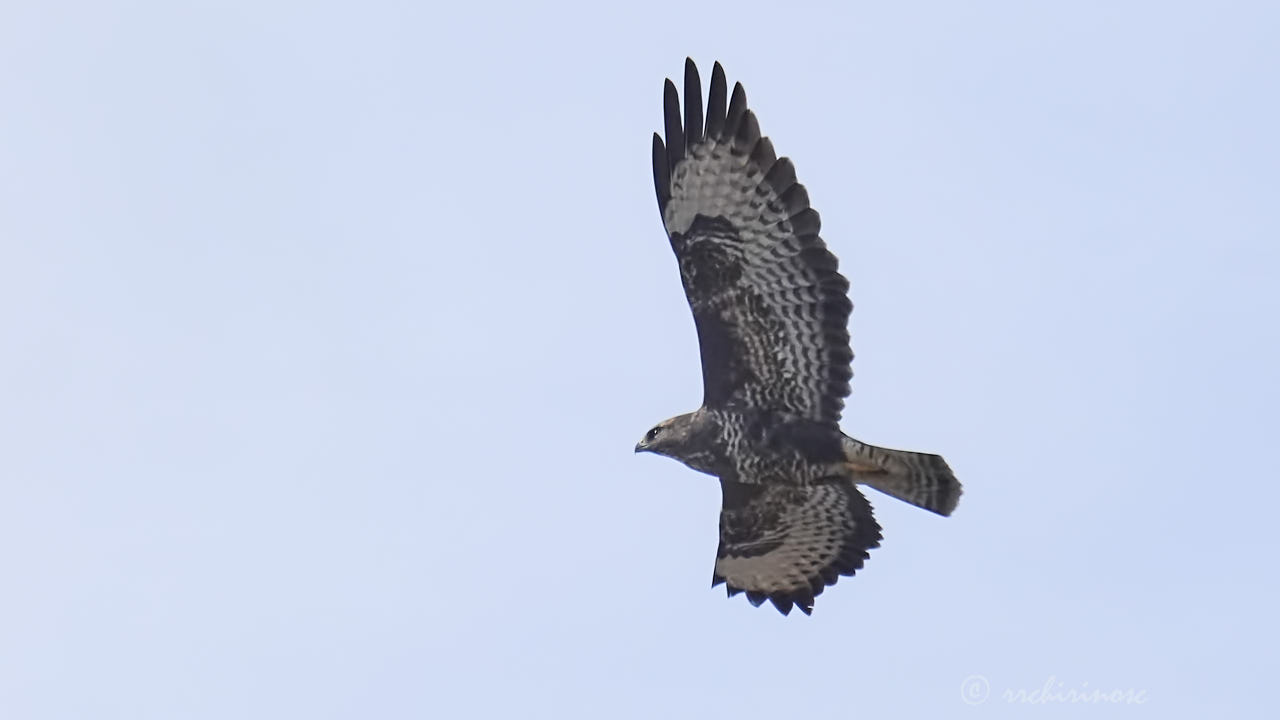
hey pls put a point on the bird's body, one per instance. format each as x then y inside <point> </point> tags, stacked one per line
<point>740,445</point>
<point>771,311</point>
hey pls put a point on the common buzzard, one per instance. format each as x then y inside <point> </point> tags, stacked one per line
<point>771,311</point>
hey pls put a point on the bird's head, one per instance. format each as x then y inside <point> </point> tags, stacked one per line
<point>667,437</point>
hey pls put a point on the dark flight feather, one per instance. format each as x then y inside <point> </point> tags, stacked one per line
<point>692,104</point>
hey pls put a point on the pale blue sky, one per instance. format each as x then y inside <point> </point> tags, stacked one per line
<point>328,330</point>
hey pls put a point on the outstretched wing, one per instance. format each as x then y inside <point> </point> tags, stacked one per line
<point>786,543</point>
<point>770,307</point>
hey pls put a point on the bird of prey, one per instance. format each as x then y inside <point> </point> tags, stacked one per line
<point>771,311</point>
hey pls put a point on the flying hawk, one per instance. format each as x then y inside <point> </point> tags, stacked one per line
<point>771,311</point>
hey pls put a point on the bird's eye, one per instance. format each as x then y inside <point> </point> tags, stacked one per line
<point>649,436</point>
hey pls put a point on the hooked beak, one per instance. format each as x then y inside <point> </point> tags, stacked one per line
<point>640,447</point>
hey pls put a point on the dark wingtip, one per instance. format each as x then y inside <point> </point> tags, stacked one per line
<point>782,177</point>
<point>737,108</point>
<point>661,175</point>
<point>672,123</point>
<point>807,221</point>
<point>716,101</point>
<point>763,154</point>
<point>692,104</point>
<point>748,134</point>
<point>795,199</point>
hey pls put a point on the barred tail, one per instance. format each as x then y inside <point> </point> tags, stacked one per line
<point>920,479</point>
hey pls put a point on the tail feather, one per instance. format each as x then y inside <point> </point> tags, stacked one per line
<point>923,480</point>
